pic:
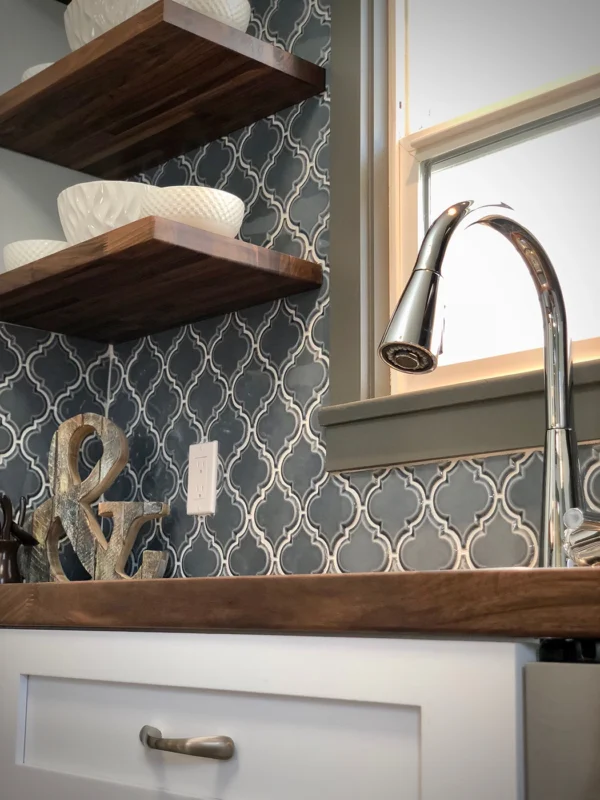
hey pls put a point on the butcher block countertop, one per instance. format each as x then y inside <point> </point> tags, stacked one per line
<point>516,603</point>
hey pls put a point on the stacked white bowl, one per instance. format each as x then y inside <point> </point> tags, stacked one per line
<point>87,19</point>
<point>91,209</point>
<point>17,254</point>
<point>209,209</point>
<point>29,73</point>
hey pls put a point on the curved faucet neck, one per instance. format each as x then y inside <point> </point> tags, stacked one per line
<point>557,346</point>
<point>412,343</point>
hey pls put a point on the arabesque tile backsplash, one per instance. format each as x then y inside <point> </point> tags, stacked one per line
<point>254,381</point>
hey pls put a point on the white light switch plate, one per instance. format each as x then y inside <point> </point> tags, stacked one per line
<point>202,479</point>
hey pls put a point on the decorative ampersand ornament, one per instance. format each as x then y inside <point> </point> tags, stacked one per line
<point>69,510</point>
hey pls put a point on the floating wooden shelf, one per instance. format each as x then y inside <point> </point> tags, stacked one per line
<point>147,277</point>
<point>160,84</point>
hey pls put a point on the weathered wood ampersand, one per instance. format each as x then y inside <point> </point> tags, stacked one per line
<point>70,508</point>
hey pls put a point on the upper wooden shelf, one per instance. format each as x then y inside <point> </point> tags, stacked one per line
<point>520,603</point>
<point>147,277</point>
<point>157,86</point>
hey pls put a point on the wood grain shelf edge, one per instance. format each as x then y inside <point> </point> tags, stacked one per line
<point>479,603</point>
<point>148,276</point>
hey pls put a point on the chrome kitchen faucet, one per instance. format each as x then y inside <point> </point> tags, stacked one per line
<point>412,344</point>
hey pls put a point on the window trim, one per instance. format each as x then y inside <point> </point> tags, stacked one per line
<point>361,133</point>
<point>365,425</point>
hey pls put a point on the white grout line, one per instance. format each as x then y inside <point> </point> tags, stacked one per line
<point>108,400</point>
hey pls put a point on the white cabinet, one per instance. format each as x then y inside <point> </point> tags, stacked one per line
<point>323,718</point>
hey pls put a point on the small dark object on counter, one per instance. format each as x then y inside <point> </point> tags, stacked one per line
<point>12,536</point>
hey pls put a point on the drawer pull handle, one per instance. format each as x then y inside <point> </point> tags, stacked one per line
<point>220,748</point>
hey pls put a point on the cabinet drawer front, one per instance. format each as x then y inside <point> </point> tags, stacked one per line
<point>311,717</point>
<point>286,747</point>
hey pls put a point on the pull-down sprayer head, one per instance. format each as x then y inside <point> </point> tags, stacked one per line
<point>413,339</point>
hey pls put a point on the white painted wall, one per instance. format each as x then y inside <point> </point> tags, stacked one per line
<point>28,192</point>
<point>31,32</point>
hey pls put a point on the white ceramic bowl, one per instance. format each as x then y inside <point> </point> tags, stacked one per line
<point>29,73</point>
<point>17,254</point>
<point>87,19</point>
<point>210,209</point>
<point>235,13</point>
<point>91,209</point>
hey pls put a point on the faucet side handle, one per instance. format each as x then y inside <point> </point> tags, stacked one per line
<point>582,537</point>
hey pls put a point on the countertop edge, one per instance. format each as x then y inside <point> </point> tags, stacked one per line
<point>516,603</point>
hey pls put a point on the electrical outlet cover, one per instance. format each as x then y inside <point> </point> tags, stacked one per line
<point>202,479</point>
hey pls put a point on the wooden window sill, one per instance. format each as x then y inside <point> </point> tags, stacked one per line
<point>498,415</point>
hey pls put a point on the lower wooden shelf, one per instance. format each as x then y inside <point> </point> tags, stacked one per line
<point>147,277</point>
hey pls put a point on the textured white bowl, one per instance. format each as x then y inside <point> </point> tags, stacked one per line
<point>235,13</point>
<point>210,209</point>
<point>87,19</point>
<point>17,254</point>
<point>29,73</point>
<point>91,209</point>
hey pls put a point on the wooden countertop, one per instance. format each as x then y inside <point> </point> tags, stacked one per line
<point>494,603</point>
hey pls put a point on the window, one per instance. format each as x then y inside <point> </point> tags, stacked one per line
<point>538,151</point>
<point>433,103</point>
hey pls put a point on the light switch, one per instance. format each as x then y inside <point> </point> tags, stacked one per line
<point>202,479</point>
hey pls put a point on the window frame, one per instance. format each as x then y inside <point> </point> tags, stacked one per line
<point>528,112</point>
<point>374,181</point>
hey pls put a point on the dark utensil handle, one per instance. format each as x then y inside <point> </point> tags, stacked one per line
<point>7,518</point>
<point>23,537</point>
<point>20,520</point>
<point>9,565</point>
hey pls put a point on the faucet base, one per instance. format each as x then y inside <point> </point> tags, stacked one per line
<point>561,492</point>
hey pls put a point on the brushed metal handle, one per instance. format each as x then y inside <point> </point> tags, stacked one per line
<point>220,748</point>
